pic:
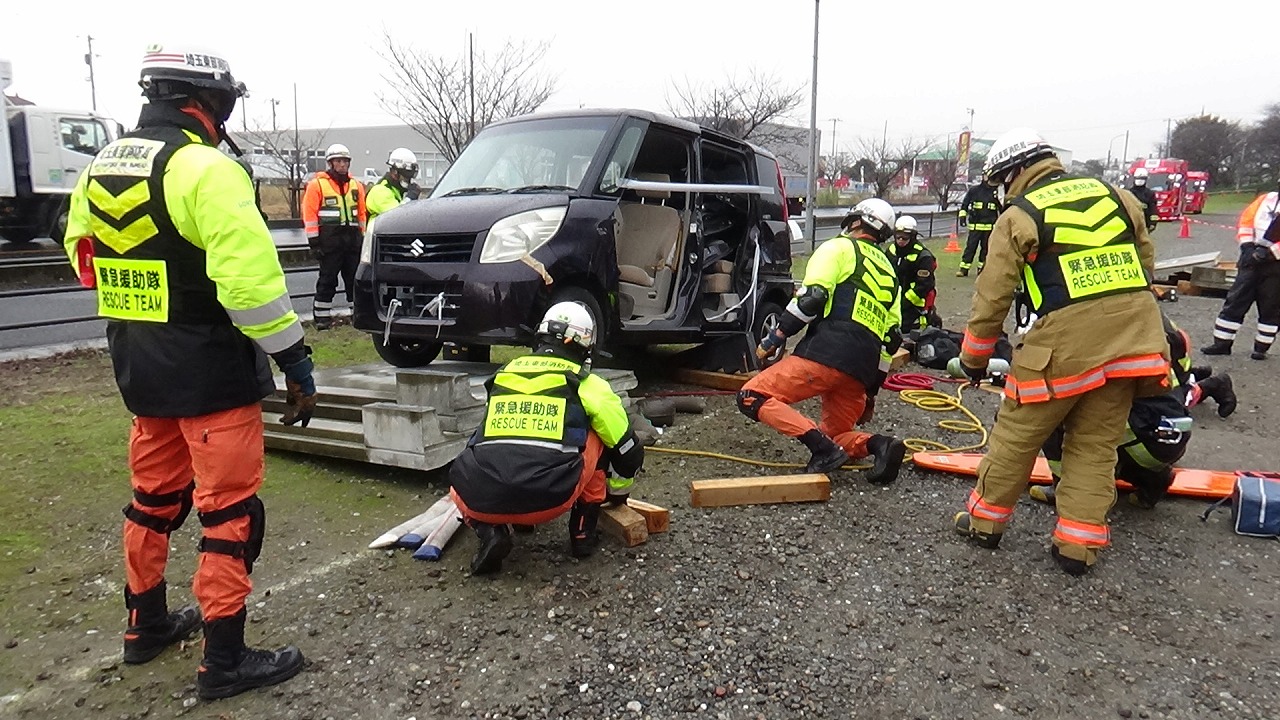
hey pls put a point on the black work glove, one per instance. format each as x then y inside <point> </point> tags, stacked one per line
<point>893,340</point>
<point>975,375</point>
<point>614,499</point>
<point>300,386</point>
<point>964,222</point>
<point>868,411</point>
<point>1261,254</point>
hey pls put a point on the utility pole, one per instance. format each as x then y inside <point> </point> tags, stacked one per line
<point>833,137</point>
<point>244,115</point>
<point>471,83</point>
<point>1124,154</point>
<point>1168,137</point>
<point>970,111</point>
<point>274,103</point>
<point>93,86</point>
<point>296,170</point>
<point>809,231</point>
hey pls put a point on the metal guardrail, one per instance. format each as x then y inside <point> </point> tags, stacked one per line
<point>32,292</point>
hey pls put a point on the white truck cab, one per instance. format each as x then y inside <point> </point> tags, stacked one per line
<point>42,153</point>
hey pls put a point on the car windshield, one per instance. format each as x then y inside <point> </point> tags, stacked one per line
<point>548,155</point>
<point>1158,182</point>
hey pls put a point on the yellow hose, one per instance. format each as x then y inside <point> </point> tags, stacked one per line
<point>931,400</point>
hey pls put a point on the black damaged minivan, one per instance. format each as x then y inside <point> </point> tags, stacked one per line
<point>667,231</point>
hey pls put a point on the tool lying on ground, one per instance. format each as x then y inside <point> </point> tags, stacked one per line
<point>426,534</point>
<point>1187,482</point>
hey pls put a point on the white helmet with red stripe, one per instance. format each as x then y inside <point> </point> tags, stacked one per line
<point>172,72</point>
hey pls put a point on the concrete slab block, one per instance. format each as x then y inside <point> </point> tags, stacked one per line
<point>447,392</point>
<point>388,426</point>
<point>465,422</point>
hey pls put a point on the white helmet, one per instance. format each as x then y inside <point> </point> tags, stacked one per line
<point>337,150</point>
<point>906,224</point>
<point>1140,176</point>
<point>568,322</point>
<point>403,159</point>
<point>171,72</point>
<point>1016,147</point>
<point>876,214</point>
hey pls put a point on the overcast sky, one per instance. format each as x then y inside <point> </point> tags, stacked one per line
<point>1081,73</point>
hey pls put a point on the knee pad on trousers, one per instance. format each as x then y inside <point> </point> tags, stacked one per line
<point>248,550</point>
<point>156,523</point>
<point>750,402</point>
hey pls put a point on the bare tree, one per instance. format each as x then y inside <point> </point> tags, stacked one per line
<point>284,153</point>
<point>883,159</point>
<point>448,99</point>
<point>941,173</point>
<point>749,108</point>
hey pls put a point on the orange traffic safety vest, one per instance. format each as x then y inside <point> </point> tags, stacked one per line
<point>324,205</point>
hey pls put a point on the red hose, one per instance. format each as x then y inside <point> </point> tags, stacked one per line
<point>898,382</point>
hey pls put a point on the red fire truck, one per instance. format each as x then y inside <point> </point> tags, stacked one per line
<point>1167,178</point>
<point>1197,186</point>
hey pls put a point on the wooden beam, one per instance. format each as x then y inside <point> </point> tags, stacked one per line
<point>1187,289</point>
<point>900,359</point>
<point>625,524</point>
<point>657,519</point>
<point>760,490</point>
<point>717,380</point>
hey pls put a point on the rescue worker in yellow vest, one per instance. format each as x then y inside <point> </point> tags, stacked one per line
<point>850,304</point>
<point>978,211</point>
<point>1080,251</point>
<point>189,280</point>
<point>915,267</point>
<point>333,216</point>
<point>396,186</point>
<point>550,430</point>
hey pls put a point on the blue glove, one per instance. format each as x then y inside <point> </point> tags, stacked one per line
<point>300,391</point>
<point>300,373</point>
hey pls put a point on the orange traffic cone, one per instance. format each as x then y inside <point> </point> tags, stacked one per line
<point>1185,232</point>
<point>952,245</point>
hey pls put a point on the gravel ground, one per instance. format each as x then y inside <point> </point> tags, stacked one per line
<point>866,606</point>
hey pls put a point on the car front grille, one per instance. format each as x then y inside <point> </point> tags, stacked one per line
<point>426,248</point>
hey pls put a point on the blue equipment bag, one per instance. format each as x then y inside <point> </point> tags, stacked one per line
<point>1255,505</point>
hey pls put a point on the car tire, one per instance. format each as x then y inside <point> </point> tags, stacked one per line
<point>768,315</point>
<point>585,298</point>
<point>404,353</point>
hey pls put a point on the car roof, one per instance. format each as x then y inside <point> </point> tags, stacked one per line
<point>648,115</point>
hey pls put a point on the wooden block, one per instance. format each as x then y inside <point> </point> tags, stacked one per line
<point>900,359</point>
<point>1186,288</point>
<point>625,524</point>
<point>717,380</point>
<point>657,519</point>
<point>760,490</point>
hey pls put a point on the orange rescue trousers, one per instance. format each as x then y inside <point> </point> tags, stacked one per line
<point>591,490</point>
<point>223,452</point>
<point>771,393</point>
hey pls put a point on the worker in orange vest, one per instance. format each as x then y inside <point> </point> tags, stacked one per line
<point>1257,279</point>
<point>333,217</point>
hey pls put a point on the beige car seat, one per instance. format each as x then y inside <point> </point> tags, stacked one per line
<point>648,240</point>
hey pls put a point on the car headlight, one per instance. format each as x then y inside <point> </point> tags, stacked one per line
<point>366,245</point>
<point>511,238</point>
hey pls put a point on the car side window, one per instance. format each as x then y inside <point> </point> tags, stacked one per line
<point>624,153</point>
<point>83,135</point>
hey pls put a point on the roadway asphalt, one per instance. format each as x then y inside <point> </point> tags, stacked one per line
<point>1209,233</point>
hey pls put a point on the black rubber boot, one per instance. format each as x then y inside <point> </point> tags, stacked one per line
<point>1219,347</point>
<point>827,455</point>
<point>152,628</point>
<point>583,535</point>
<point>888,452</point>
<point>229,668</point>
<point>1259,351</point>
<point>495,546</point>
<point>1070,566</point>
<point>1219,387</point>
<point>990,541</point>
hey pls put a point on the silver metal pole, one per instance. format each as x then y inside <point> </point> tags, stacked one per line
<point>809,230</point>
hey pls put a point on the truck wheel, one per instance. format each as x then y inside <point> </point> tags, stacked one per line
<point>768,316</point>
<point>404,353</point>
<point>580,295</point>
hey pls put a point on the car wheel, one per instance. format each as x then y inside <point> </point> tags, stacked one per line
<point>585,298</point>
<point>405,353</point>
<point>768,317</point>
